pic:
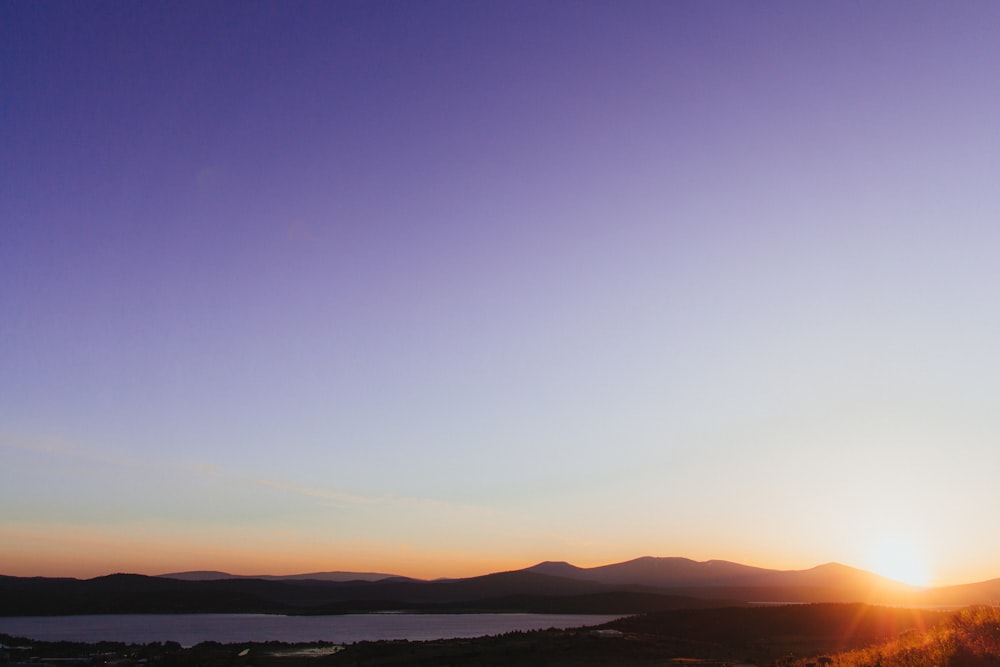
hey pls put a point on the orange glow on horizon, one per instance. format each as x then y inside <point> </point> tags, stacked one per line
<point>84,566</point>
<point>86,553</point>
<point>900,560</point>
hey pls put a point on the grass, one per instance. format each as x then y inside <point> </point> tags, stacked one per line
<point>833,635</point>
<point>970,638</point>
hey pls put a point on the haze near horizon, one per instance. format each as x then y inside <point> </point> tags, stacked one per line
<point>442,288</point>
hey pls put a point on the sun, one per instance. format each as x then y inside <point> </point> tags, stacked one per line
<point>901,561</point>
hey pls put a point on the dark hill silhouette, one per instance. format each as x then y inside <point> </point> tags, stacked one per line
<point>764,634</point>
<point>199,575</point>
<point>503,591</point>
<point>119,593</point>
<point>213,575</point>
<point>983,592</point>
<point>660,572</point>
<point>495,585</point>
<point>831,582</point>
<point>642,584</point>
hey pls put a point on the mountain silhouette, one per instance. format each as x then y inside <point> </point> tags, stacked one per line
<point>831,582</point>
<point>642,584</point>
<point>213,575</point>
<point>660,572</point>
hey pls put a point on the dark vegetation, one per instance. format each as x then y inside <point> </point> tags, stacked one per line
<point>636,586</point>
<point>817,635</point>
<point>773,634</point>
<point>128,593</point>
<point>508,591</point>
<point>681,613</point>
<point>970,638</point>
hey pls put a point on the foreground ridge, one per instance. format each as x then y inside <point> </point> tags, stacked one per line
<point>840,635</point>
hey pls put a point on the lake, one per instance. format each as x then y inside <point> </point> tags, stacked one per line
<point>190,629</point>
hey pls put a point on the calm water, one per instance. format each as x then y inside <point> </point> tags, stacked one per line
<point>190,629</point>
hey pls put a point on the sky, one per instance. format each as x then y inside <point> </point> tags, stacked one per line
<point>444,288</point>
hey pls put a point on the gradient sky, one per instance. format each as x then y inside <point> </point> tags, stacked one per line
<point>441,288</point>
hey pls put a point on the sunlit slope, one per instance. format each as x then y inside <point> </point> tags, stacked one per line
<point>970,638</point>
<point>831,582</point>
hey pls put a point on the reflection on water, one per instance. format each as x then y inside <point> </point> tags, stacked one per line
<point>190,629</point>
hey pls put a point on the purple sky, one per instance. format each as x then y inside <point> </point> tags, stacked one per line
<point>442,287</point>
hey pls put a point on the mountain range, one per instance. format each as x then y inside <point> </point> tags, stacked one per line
<point>712,579</point>
<point>643,584</point>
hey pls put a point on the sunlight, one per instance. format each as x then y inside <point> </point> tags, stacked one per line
<point>901,561</point>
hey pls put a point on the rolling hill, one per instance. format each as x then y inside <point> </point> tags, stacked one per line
<point>639,585</point>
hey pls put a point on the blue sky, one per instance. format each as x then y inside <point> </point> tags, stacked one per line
<point>439,288</point>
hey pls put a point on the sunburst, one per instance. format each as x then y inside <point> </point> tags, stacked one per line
<point>900,560</point>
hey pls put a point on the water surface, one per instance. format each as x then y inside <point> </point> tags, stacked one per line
<point>190,629</point>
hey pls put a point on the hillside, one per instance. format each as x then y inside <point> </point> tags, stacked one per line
<point>854,635</point>
<point>717,579</point>
<point>213,575</point>
<point>640,585</point>
<point>969,638</point>
<point>506,591</point>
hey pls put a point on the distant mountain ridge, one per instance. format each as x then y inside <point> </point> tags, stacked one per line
<point>648,570</point>
<point>674,571</point>
<point>639,585</point>
<point>831,582</point>
<point>687,578</point>
<point>213,575</point>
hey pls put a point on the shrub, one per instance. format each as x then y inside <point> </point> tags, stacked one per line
<point>970,639</point>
